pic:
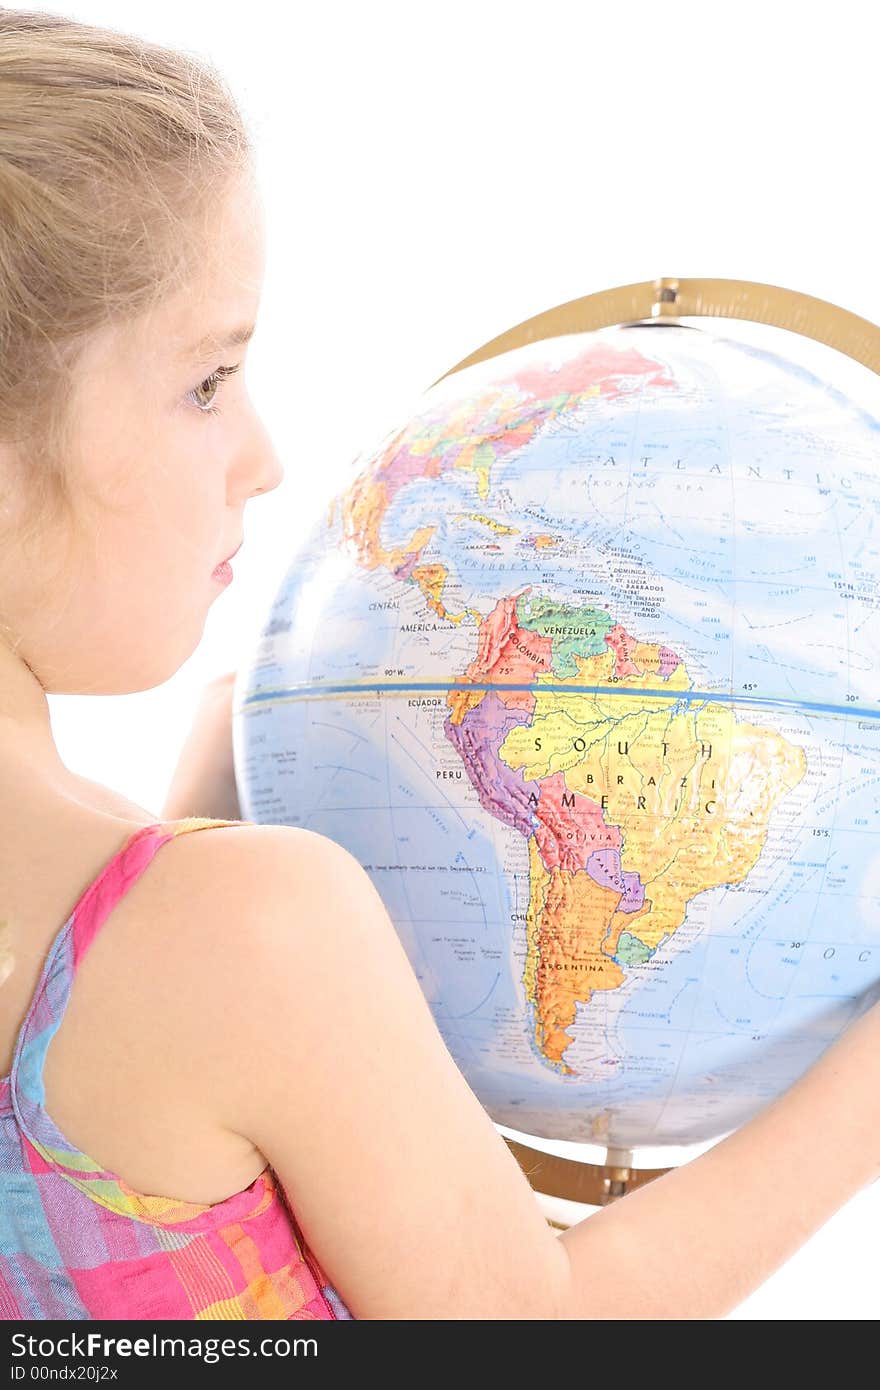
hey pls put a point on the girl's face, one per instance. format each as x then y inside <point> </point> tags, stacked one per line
<point>167,453</point>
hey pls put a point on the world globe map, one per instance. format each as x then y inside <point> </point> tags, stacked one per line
<point>581,666</point>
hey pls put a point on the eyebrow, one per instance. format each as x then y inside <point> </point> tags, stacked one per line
<point>213,343</point>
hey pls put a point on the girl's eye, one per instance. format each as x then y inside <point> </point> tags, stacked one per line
<point>212,382</point>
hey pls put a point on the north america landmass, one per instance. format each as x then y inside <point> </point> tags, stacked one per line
<point>576,735</point>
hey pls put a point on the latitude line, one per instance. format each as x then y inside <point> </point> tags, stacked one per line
<point>402,688</point>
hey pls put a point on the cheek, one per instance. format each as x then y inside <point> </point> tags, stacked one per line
<point>175,524</point>
<point>113,632</point>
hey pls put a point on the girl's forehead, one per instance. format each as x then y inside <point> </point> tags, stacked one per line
<point>217,309</point>
<point>195,325</point>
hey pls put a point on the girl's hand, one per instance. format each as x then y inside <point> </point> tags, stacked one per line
<point>203,782</point>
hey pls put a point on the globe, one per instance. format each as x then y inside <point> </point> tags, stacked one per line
<point>582,667</point>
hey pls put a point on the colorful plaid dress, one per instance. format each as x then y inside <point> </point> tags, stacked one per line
<point>76,1241</point>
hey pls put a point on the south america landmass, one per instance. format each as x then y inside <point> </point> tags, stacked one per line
<point>632,804</point>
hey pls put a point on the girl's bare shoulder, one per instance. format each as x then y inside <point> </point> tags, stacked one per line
<point>243,864</point>
<point>230,890</point>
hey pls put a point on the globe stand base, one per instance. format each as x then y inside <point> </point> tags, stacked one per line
<point>592,1183</point>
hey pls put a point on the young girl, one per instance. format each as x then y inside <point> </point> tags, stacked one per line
<point>223,1093</point>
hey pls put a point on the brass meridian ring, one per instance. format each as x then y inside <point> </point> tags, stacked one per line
<point>670,299</point>
<point>651,301</point>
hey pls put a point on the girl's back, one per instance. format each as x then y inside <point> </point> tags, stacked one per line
<point>125,1198</point>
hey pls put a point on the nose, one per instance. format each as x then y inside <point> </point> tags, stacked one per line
<point>265,468</point>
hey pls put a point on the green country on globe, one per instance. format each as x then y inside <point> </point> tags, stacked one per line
<point>582,667</point>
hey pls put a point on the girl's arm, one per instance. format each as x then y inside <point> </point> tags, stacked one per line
<point>203,781</point>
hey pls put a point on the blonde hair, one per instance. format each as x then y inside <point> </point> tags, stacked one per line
<point>112,151</point>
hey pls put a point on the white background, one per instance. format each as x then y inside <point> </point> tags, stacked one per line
<point>434,174</point>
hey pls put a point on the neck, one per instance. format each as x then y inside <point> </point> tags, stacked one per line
<point>32,771</point>
<point>26,737</point>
